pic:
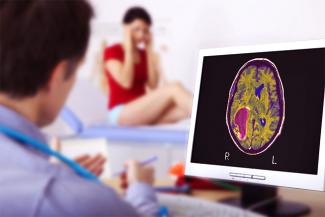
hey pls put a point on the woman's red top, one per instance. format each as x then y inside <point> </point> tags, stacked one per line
<point>117,93</point>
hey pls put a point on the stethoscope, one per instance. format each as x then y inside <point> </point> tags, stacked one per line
<point>20,137</point>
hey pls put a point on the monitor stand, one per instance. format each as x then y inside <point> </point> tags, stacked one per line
<point>265,200</point>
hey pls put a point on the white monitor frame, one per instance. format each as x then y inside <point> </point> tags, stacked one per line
<point>272,177</point>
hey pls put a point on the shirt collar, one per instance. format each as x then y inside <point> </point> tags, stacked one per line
<point>16,121</point>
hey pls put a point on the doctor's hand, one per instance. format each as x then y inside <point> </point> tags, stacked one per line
<point>95,164</point>
<point>137,173</point>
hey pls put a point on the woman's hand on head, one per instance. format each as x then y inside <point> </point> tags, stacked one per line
<point>128,43</point>
<point>149,41</point>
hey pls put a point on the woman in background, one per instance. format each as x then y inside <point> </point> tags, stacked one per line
<point>133,74</point>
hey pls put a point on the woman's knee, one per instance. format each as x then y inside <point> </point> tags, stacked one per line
<point>175,86</point>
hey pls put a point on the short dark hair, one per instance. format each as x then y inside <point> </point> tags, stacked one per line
<point>134,13</point>
<point>35,36</point>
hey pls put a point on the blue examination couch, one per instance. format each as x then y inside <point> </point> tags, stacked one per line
<point>124,134</point>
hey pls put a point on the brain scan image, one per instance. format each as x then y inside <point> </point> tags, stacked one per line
<point>256,106</point>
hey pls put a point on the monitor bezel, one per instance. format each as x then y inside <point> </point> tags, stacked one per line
<point>274,178</point>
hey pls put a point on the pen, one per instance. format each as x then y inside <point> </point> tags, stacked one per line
<point>145,162</point>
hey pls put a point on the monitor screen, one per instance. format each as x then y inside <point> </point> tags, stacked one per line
<point>261,110</point>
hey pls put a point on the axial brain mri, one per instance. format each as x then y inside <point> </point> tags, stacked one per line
<point>256,106</point>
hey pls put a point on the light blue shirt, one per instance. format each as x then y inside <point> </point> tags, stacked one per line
<point>32,186</point>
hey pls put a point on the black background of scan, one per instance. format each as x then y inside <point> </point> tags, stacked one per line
<point>297,148</point>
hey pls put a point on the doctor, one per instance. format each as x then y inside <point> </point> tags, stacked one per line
<point>42,44</point>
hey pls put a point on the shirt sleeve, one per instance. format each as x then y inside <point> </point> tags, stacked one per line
<point>143,198</point>
<point>113,52</point>
<point>78,197</point>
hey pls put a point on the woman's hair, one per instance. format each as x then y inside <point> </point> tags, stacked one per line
<point>134,13</point>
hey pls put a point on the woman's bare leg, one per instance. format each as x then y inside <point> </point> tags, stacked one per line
<point>182,97</point>
<point>172,115</point>
<point>152,106</point>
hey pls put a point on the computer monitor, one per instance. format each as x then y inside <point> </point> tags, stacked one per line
<point>257,115</point>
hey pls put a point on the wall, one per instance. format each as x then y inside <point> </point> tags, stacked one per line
<point>182,27</point>
<point>186,26</point>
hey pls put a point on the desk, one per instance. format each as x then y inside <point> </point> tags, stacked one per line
<point>314,199</point>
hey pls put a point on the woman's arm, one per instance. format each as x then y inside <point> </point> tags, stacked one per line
<point>153,65</point>
<point>123,72</point>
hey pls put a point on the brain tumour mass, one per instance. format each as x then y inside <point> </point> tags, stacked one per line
<point>255,109</point>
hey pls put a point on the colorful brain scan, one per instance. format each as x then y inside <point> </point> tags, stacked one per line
<point>256,106</point>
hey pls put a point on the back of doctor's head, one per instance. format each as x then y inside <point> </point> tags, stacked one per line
<point>36,35</point>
